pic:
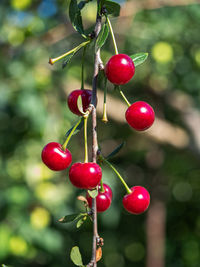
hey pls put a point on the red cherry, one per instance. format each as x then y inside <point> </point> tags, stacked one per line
<point>140,115</point>
<point>137,201</point>
<point>119,69</point>
<point>107,189</point>
<point>86,96</point>
<point>85,175</point>
<point>55,157</point>
<point>103,200</point>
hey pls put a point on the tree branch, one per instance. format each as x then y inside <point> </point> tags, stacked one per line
<point>97,63</point>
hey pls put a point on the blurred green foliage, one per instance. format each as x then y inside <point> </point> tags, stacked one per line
<point>33,112</point>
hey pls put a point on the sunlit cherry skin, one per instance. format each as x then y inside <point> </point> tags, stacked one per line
<point>85,175</point>
<point>137,201</point>
<point>140,115</point>
<point>103,200</point>
<point>119,69</point>
<point>86,96</point>
<point>55,158</point>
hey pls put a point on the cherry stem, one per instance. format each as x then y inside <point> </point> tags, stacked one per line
<point>102,190</point>
<point>82,69</point>
<point>118,174</point>
<point>54,60</point>
<point>105,119</point>
<point>85,138</point>
<point>112,34</point>
<point>70,135</point>
<point>124,97</point>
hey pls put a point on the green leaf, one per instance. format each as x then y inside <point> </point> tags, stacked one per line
<point>103,35</point>
<point>112,8</point>
<point>3,265</point>
<point>80,104</point>
<point>70,218</point>
<point>76,257</point>
<point>139,58</point>
<point>81,221</point>
<point>115,151</point>
<point>93,193</point>
<point>79,127</point>
<point>75,17</point>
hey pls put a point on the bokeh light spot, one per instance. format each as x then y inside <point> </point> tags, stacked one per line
<point>20,4</point>
<point>182,191</point>
<point>40,218</point>
<point>16,37</point>
<point>162,52</point>
<point>18,246</point>
<point>135,252</point>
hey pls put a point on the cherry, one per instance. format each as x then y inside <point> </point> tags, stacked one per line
<point>103,200</point>
<point>137,201</point>
<point>119,69</point>
<point>55,157</point>
<point>85,175</point>
<point>140,115</point>
<point>86,96</point>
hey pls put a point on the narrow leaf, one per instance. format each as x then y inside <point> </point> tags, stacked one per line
<point>93,193</point>
<point>76,257</point>
<point>139,58</point>
<point>80,126</point>
<point>80,104</point>
<point>102,37</point>
<point>98,254</point>
<point>3,265</point>
<point>112,8</point>
<point>70,218</point>
<point>75,17</point>
<point>81,222</point>
<point>115,151</point>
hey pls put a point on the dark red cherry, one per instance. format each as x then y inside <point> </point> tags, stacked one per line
<point>140,115</point>
<point>137,201</point>
<point>103,200</point>
<point>119,69</point>
<point>86,96</point>
<point>85,175</point>
<point>55,157</point>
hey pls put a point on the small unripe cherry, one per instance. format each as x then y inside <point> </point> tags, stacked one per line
<point>140,115</point>
<point>55,158</point>
<point>103,199</point>
<point>86,96</point>
<point>85,175</point>
<point>137,201</point>
<point>119,69</point>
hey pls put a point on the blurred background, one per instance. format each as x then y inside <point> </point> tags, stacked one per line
<point>165,159</point>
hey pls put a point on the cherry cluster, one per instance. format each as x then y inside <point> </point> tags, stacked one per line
<point>88,175</point>
<point>119,70</point>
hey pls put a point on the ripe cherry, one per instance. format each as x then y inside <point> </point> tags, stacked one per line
<point>140,115</point>
<point>137,201</point>
<point>86,96</point>
<point>55,157</point>
<point>85,175</point>
<point>119,69</point>
<point>103,200</point>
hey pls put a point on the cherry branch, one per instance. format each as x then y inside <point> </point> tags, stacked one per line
<point>97,65</point>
